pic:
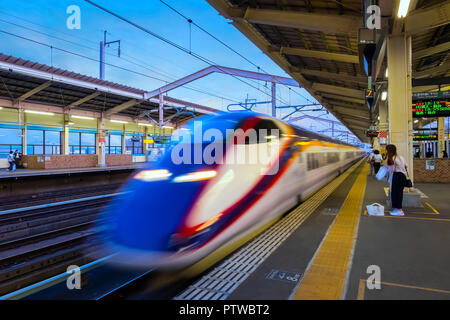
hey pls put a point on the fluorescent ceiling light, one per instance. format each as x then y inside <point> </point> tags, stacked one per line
<point>82,117</point>
<point>403,8</point>
<point>384,95</point>
<point>40,112</point>
<point>70,123</point>
<point>145,124</point>
<point>386,74</point>
<point>167,127</point>
<point>119,121</point>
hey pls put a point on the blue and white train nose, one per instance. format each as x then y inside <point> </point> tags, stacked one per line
<point>150,214</point>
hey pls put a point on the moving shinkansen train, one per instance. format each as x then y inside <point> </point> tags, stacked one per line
<point>223,177</point>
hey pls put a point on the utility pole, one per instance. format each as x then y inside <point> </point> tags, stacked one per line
<point>103,45</point>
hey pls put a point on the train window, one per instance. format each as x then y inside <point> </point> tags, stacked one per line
<point>263,131</point>
<point>320,159</point>
<point>313,160</point>
<point>333,157</point>
<point>267,130</point>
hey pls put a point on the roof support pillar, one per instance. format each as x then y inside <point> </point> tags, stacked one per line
<point>24,139</point>
<point>161,110</point>
<point>101,145</point>
<point>274,99</point>
<point>383,125</point>
<point>441,136</point>
<point>400,97</point>
<point>65,135</point>
<point>123,141</point>
<point>145,145</point>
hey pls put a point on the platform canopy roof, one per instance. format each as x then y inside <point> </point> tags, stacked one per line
<point>315,41</point>
<point>42,85</point>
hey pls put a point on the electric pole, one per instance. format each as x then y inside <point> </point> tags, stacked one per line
<point>103,45</point>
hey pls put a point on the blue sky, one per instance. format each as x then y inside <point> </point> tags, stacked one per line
<point>46,19</point>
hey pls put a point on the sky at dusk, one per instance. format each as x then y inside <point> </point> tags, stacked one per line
<point>150,62</point>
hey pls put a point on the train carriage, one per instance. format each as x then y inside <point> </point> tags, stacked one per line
<point>206,192</point>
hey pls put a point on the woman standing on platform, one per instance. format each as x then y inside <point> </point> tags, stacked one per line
<point>397,178</point>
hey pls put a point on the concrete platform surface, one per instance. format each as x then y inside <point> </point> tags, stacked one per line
<point>4,173</point>
<point>410,252</point>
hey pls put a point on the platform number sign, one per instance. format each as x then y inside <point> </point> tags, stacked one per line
<point>369,93</point>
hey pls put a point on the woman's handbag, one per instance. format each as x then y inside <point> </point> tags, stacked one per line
<point>408,182</point>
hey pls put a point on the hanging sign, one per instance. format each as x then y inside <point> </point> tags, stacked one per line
<point>431,108</point>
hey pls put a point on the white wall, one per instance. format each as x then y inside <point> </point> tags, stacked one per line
<point>4,163</point>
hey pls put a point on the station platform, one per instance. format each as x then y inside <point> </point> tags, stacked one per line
<point>6,174</point>
<point>34,183</point>
<point>329,248</point>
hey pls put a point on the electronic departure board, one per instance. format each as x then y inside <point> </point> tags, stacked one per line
<point>431,108</point>
<point>425,137</point>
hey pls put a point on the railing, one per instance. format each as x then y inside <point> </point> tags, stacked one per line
<point>5,149</point>
<point>33,149</point>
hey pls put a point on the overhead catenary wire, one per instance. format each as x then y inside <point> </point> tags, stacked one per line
<point>81,56</point>
<point>76,54</point>
<point>179,47</point>
<point>211,35</point>
<point>142,66</point>
<point>225,44</point>
<point>82,38</point>
<point>122,58</point>
<point>192,88</point>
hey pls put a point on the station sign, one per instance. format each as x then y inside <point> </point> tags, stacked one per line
<point>431,108</point>
<point>425,137</point>
<point>435,95</point>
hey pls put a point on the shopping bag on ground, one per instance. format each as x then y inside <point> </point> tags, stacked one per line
<point>375,209</point>
<point>382,173</point>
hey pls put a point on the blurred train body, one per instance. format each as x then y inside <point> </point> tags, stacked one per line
<point>175,214</point>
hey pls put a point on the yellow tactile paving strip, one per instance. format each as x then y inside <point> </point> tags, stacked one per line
<point>325,278</point>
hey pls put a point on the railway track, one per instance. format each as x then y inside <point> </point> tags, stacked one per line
<point>36,198</point>
<point>41,241</point>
